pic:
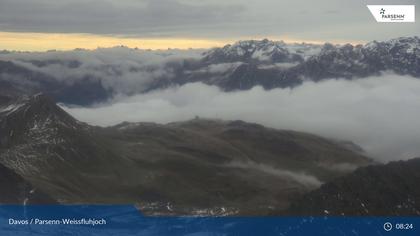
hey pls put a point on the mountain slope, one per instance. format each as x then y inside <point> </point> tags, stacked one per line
<point>15,190</point>
<point>236,164</point>
<point>382,190</point>
<point>194,167</point>
<point>45,145</point>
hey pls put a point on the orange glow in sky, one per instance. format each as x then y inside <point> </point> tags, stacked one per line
<point>23,41</point>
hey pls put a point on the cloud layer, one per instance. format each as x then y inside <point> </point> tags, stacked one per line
<point>120,69</point>
<point>300,177</point>
<point>138,17</point>
<point>379,113</point>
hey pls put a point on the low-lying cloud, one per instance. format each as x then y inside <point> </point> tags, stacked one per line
<point>119,69</point>
<point>379,113</point>
<point>300,177</point>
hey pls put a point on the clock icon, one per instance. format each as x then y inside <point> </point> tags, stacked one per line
<point>387,226</point>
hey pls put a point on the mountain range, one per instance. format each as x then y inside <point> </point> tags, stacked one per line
<point>199,166</point>
<point>83,77</point>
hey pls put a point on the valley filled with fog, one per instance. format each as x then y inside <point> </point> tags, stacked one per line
<point>378,113</point>
<point>367,94</point>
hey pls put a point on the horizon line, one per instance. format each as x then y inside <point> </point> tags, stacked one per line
<point>44,42</point>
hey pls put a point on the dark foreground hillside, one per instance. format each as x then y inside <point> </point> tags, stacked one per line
<point>15,190</point>
<point>382,190</point>
<point>201,166</point>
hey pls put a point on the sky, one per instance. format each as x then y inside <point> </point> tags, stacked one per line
<point>39,25</point>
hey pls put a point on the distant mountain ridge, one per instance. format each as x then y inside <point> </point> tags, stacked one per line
<point>94,76</point>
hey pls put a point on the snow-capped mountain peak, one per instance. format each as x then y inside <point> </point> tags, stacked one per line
<point>265,51</point>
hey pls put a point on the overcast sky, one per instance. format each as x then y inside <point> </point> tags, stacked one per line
<point>321,20</point>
